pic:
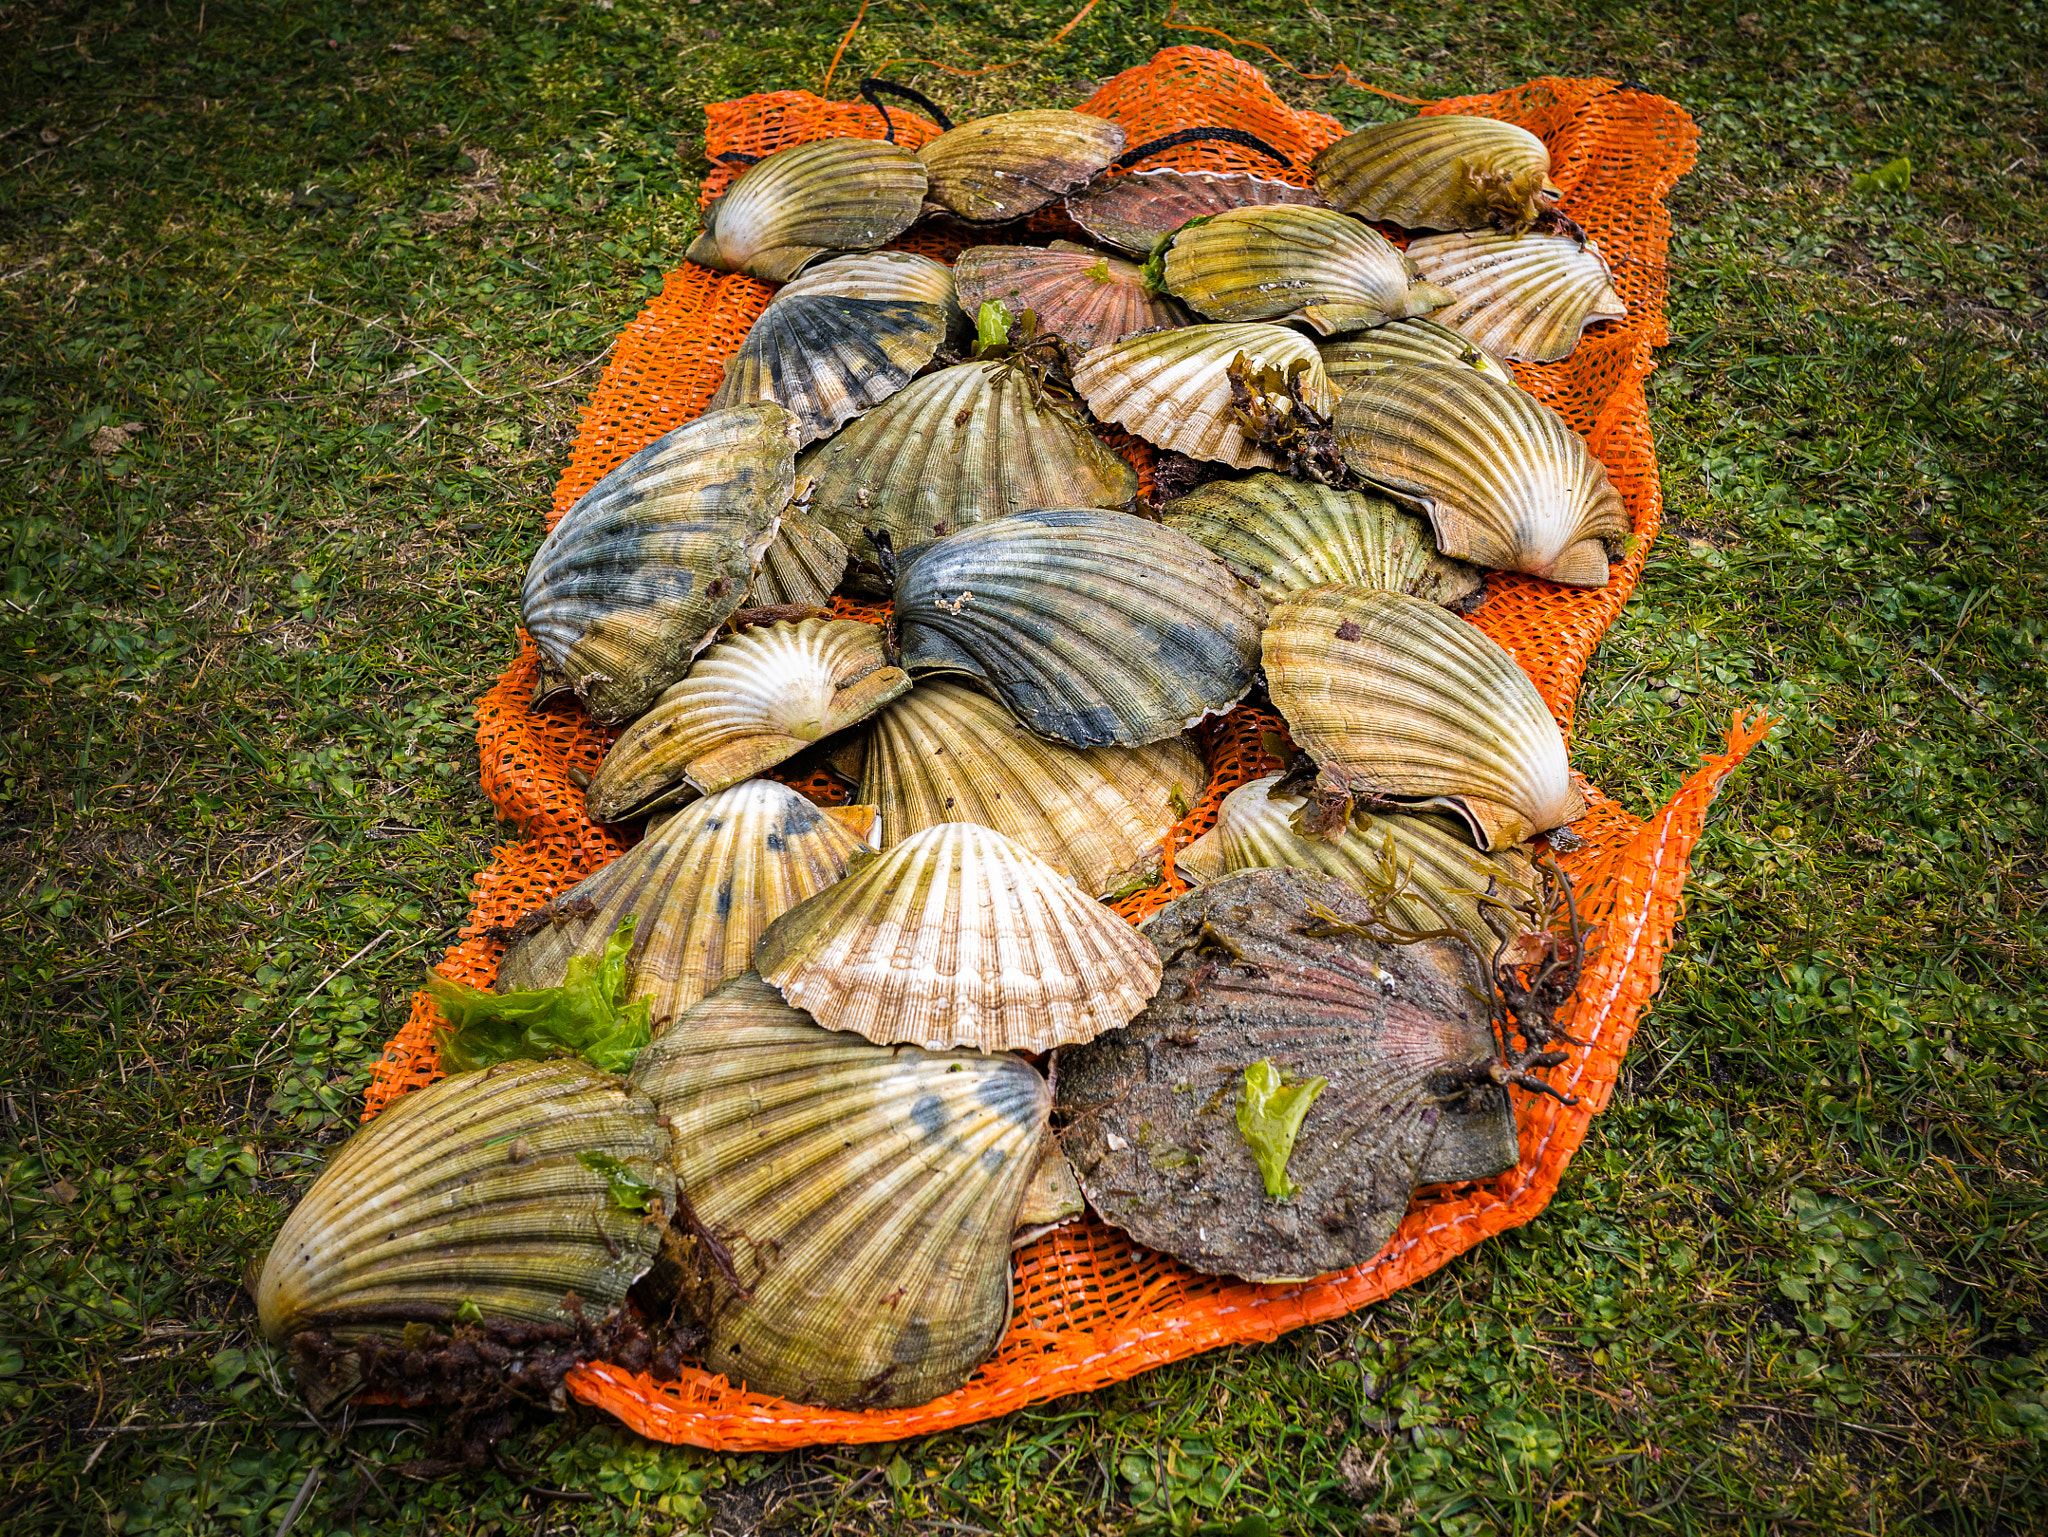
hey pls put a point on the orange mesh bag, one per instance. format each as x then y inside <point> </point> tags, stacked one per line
<point>1092,1308</point>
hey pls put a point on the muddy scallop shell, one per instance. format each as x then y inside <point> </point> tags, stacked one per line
<point>1083,296</point>
<point>1132,212</point>
<point>1524,296</point>
<point>802,566</point>
<point>1312,264</point>
<point>1402,342</point>
<point>827,359</point>
<point>1004,167</point>
<point>810,200</point>
<point>1444,171</point>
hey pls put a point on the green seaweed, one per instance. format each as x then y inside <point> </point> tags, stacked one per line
<point>1269,1118</point>
<point>587,1016</point>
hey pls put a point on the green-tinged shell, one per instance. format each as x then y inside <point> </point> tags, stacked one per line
<point>470,1191</point>
<point>1132,212</point>
<point>1394,698</point>
<point>1255,976</point>
<point>1173,388</point>
<point>957,447</point>
<point>1524,296</point>
<point>1282,534</point>
<point>1440,172</point>
<point>959,937</point>
<point>827,359</point>
<point>903,276</point>
<point>704,883</point>
<point>1083,296</point>
<point>1407,342</point>
<point>1311,264</point>
<point>944,753</point>
<point>749,703</point>
<point>1004,167</point>
<point>808,201</point>
<point>803,565</point>
<point>1095,628</point>
<point>1504,479</point>
<point>851,1205</point>
<point>637,577</point>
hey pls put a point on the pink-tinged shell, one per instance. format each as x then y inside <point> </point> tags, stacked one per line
<point>1132,212</point>
<point>1083,296</point>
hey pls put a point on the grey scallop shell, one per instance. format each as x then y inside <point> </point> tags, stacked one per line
<point>903,276</point>
<point>998,168</point>
<point>1132,212</point>
<point>1525,296</point>
<point>802,567</point>
<point>1315,265</point>
<point>807,201</point>
<point>827,359</point>
<point>1399,342</point>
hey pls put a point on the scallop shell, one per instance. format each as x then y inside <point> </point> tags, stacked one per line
<point>827,359</point>
<point>1282,534</point>
<point>1052,1199</point>
<point>850,1206</point>
<point>802,566</point>
<point>943,753</point>
<point>1132,212</point>
<point>1081,295</point>
<point>1395,699</point>
<point>798,204</point>
<point>1093,627</point>
<point>1444,171</point>
<point>959,937</point>
<point>1173,389</point>
<point>1407,341</point>
<point>1314,264</point>
<point>1504,479</point>
<point>1012,164</point>
<point>1524,296</point>
<point>900,275</point>
<point>470,1191</point>
<point>960,446</point>
<point>637,577</point>
<point>704,884</point>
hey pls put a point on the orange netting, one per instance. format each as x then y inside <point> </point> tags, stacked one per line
<point>1091,1308</point>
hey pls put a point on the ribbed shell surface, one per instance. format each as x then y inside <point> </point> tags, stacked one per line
<point>1439,172</point>
<point>1524,296</point>
<point>957,447</point>
<point>959,937</point>
<point>1316,264</point>
<point>1083,296</point>
<point>944,753</point>
<point>1394,697</point>
<point>1504,479</point>
<point>802,565</point>
<point>1095,628</point>
<point>748,703</point>
<point>1132,212</point>
<point>1173,388</point>
<point>1400,342</point>
<point>639,574</point>
<point>704,884</point>
<point>1282,534</point>
<point>863,1196</point>
<point>826,360</point>
<point>1006,166</point>
<point>469,1190</point>
<point>806,201</point>
<point>903,276</point>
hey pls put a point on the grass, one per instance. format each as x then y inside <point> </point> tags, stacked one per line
<point>300,305</point>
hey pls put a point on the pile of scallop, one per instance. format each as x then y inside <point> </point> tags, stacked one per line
<point>799,1078</point>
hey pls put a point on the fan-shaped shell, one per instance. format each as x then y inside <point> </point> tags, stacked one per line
<point>750,702</point>
<point>1173,388</point>
<point>1504,479</point>
<point>470,1190</point>
<point>637,576</point>
<point>1012,164</point>
<point>1407,342</point>
<point>1081,295</point>
<point>957,447</point>
<point>1093,627</point>
<point>1394,698</point>
<point>1132,212</point>
<point>851,1204</point>
<point>802,566</point>
<point>959,937</point>
<point>801,203</point>
<point>704,884</point>
<point>1444,171</point>
<point>903,276</point>
<point>1282,534</point>
<point>1314,264</point>
<point>944,753</point>
<point>826,359</point>
<point>1525,296</point>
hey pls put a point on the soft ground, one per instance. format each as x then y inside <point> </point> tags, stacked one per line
<point>300,302</point>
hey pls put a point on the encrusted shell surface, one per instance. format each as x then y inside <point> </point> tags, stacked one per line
<point>803,565</point>
<point>1314,264</point>
<point>750,702</point>
<point>1282,534</point>
<point>637,577</point>
<point>807,201</point>
<point>1504,479</point>
<point>1401,342</point>
<point>851,1205</point>
<point>1394,697</point>
<point>1081,295</point>
<point>470,1190</point>
<point>944,753</point>
<point>1524,296</point>
<point>960,446</point>
<point>1444,171</point>
<point>1006,166</point>
<point>959,937</point>
<point>1173,388</point>
<point>704,884</point>
<point>827,359</point>
<point>1132,212</point>
<point>1095,628</point>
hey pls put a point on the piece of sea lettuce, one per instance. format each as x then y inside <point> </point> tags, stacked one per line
<point>587,1016</point>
